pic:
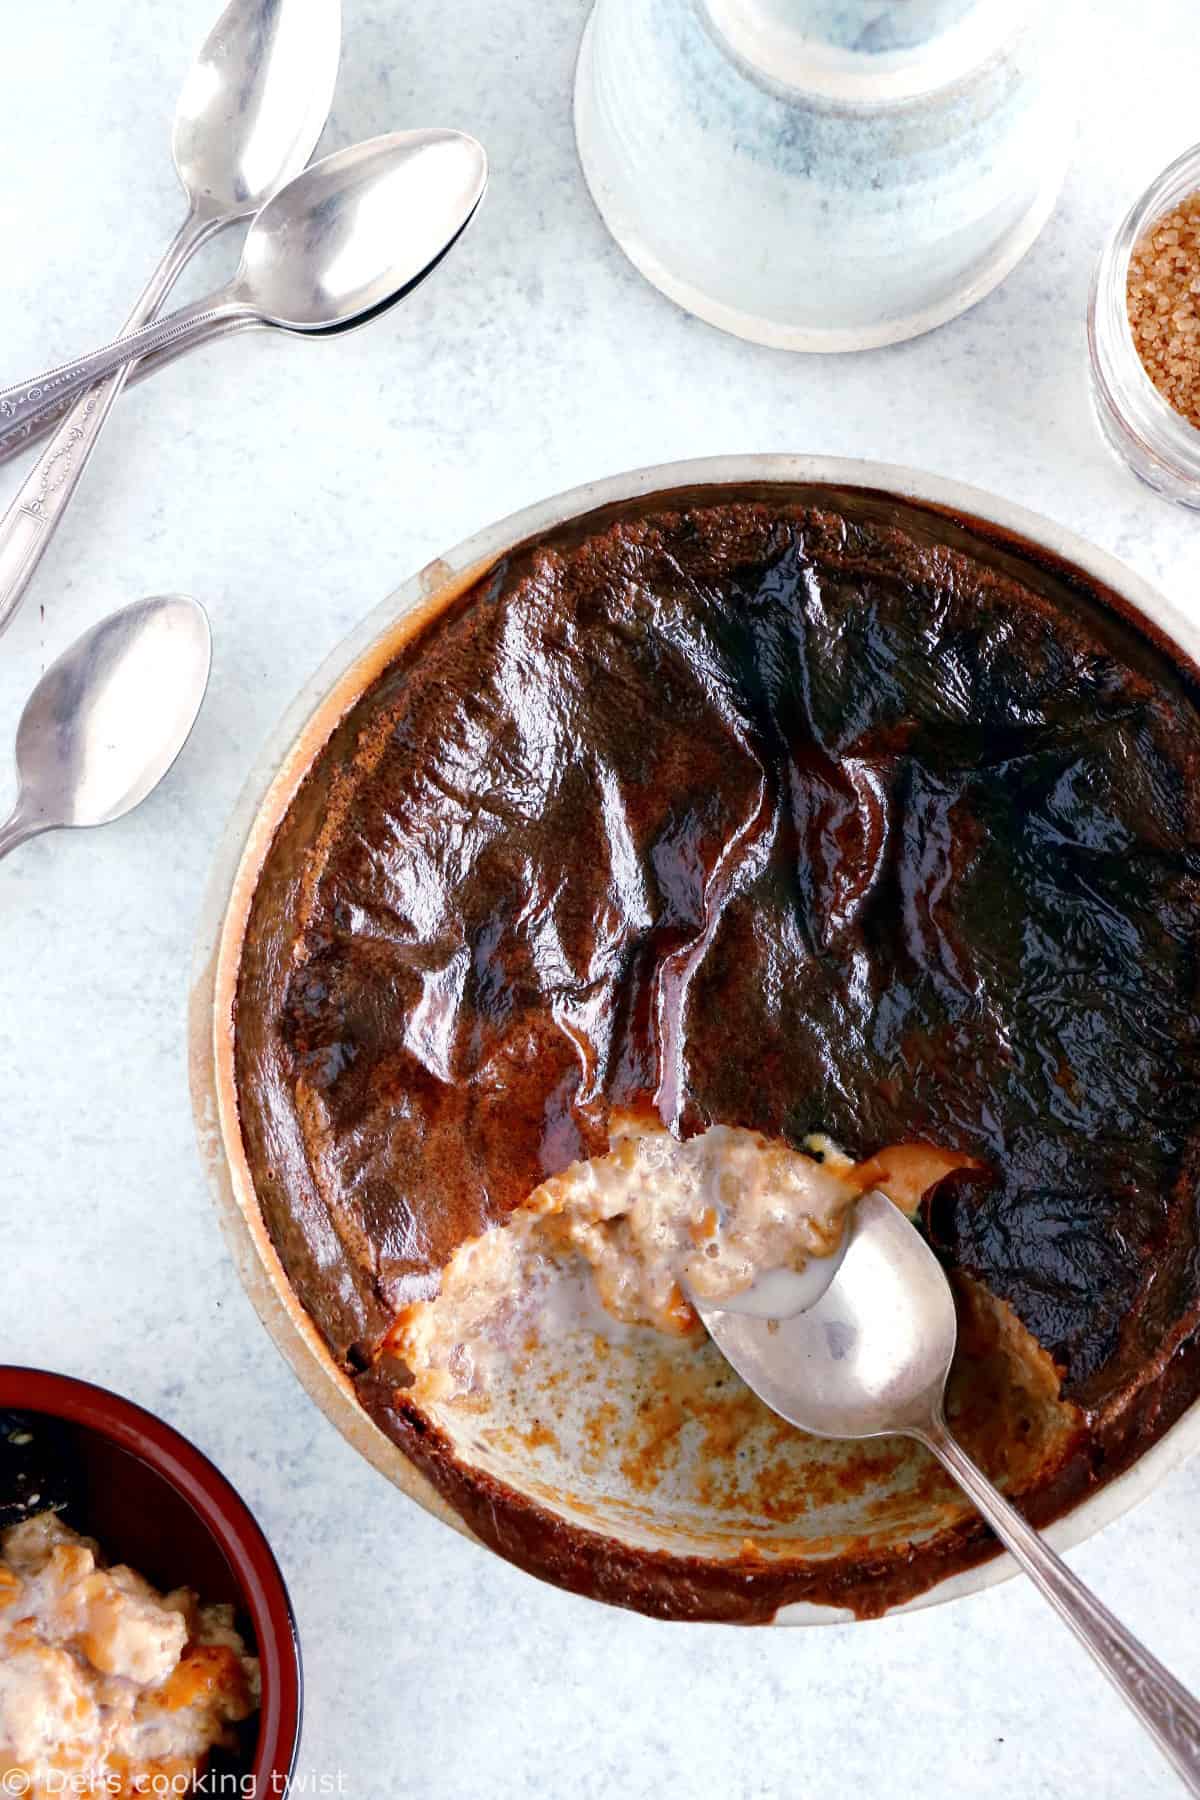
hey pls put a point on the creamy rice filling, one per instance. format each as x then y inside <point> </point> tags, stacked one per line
<point>104,1682</point>
<point>621,1239</point>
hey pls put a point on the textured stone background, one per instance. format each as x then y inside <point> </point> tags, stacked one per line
<point>290,487</point>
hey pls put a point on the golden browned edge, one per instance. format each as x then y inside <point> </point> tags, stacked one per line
<point>214,1088</point>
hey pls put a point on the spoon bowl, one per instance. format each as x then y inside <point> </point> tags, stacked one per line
<point>255,102</point>
<point>871,1356</point>
<point>108,719</point>
<point>358,230</point>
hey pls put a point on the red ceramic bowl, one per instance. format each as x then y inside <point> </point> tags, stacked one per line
<point>153,1501</point>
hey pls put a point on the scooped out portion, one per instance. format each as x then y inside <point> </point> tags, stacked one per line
<point>623,1239</point>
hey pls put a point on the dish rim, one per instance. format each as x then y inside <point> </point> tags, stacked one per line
<point>280,768</point>
<point>227,1519</point>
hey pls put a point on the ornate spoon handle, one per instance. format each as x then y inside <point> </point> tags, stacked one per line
<point>28,400</point>
<point>41,428</point>
<point>33,516</point>
<point>1169,1713</point>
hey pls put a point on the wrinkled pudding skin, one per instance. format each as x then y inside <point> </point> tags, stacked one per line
<point>816,816</point>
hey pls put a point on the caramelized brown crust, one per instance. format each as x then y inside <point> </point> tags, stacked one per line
<point>821,815</point>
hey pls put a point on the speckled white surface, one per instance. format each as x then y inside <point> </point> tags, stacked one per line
<point>290,487</point>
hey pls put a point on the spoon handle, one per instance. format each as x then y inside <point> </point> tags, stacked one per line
<point>28,400</point>
<point>33,516</point>
<point>1169,1713</point>
<point>19,829</point>
<point>41,428</point>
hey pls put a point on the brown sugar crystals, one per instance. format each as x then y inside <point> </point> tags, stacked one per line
<point>1163,296</point>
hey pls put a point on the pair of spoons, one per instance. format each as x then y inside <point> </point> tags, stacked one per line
<point>331,246</point>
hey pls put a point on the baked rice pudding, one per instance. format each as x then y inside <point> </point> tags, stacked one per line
<point>692,868</point>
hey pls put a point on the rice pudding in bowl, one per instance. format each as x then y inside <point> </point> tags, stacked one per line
<point>800,810</point>
<point>106,1685</point>
<point>146,1629</point>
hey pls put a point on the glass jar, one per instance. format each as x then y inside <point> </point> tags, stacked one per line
<point>1144,429</point>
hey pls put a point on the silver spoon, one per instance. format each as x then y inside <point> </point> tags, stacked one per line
<point>249,117</point>
<point>870,1359</point>
<point>107,720</point>
<point>338,245</point>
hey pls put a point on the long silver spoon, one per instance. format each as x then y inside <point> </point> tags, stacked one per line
<point>251,112</point>
<point>107,720</point>
<point>338,245</point>
<point>870,1359</point>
